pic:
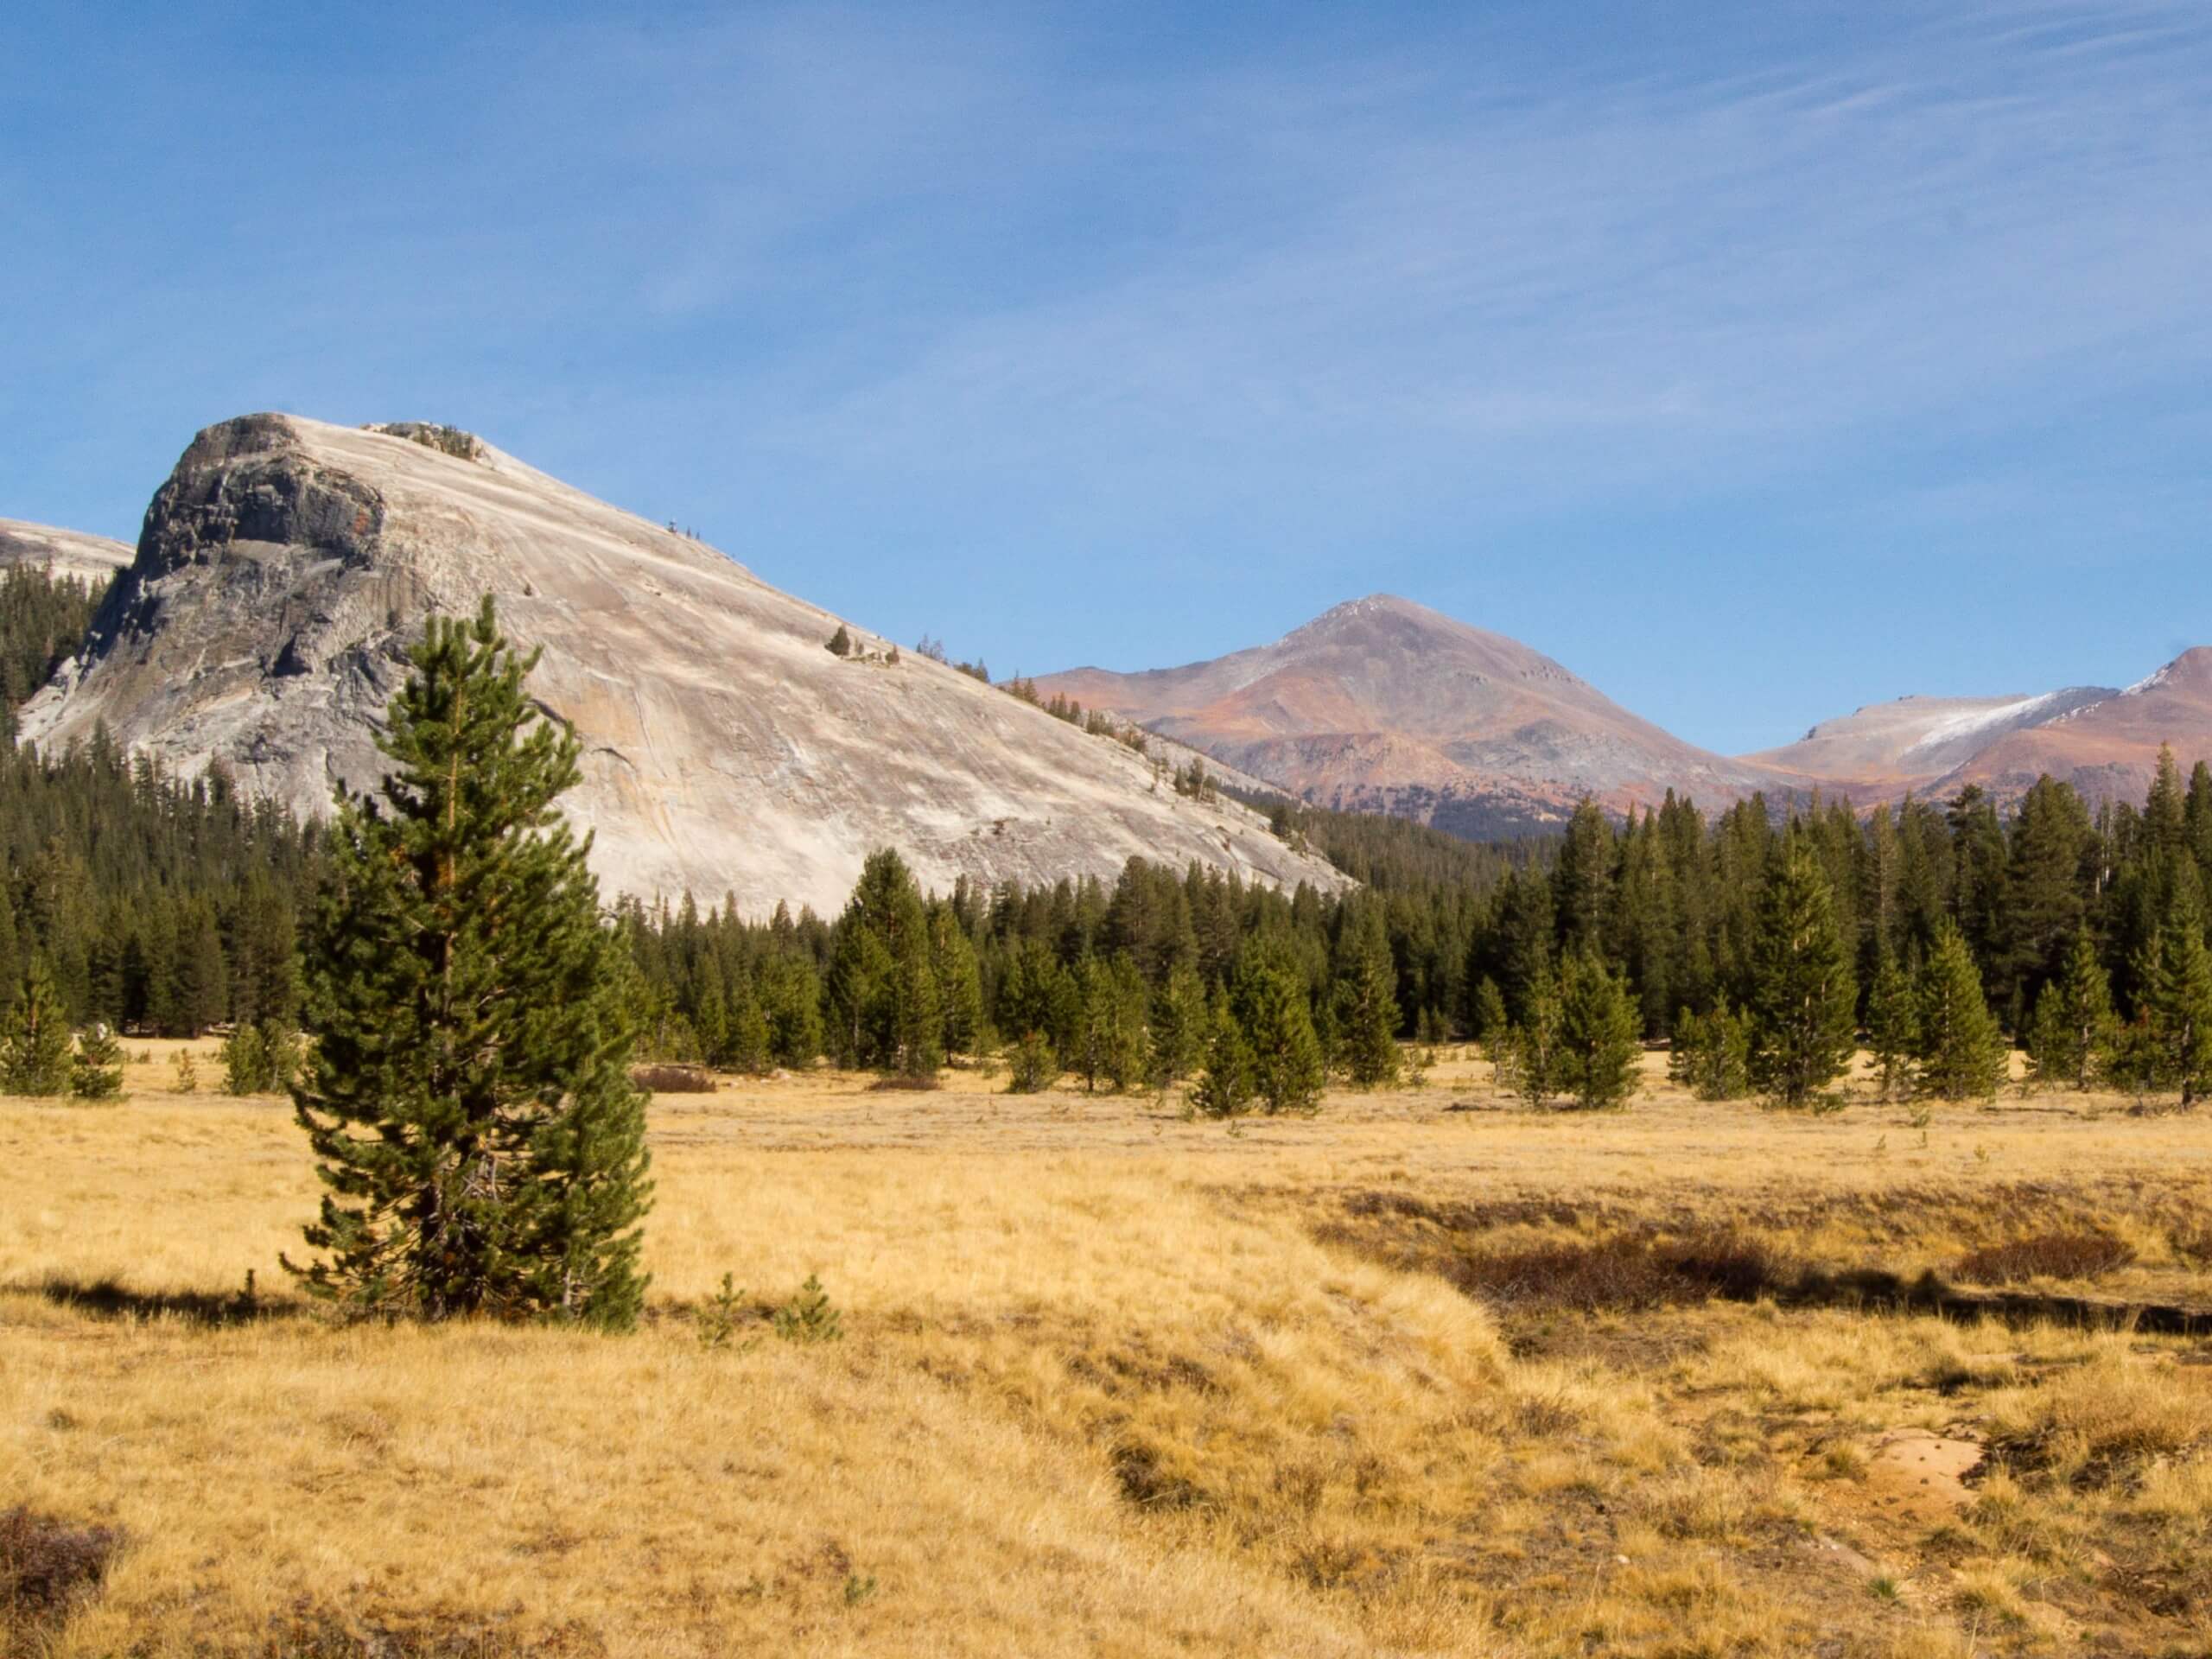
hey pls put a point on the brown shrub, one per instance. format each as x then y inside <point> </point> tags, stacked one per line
<point>312,1630</point>
<point>2048,1255</point>
<point>47,1568</point>
<point>1627,1270</point>
<point>668,1079</point>
<point>1145,1484</point>
<point>904,1086</point>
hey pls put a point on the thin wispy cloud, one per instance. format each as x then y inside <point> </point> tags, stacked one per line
<point>926,310</point>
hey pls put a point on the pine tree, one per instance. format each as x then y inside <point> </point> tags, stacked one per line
<point>468,1093</point>
<point>1031,1065</point>
<point>1712,1054</point>
<point>200,989</point>
<point>1224,1088</point>
<point>790,997</point>
<point>857,999</point>
<point>745,1027</point>
<point>11,966</point>
<point>886,1012</point>
<point>2074,1028</point>
<point>841,643</point>
<point>1599,1033</point>
<point>1179,1027</point>
<point>1367,1004</point>
<point>34,1041</point>
<point>1893,1025</point>
<point>2177,998</point>
<point>1582,879</point>
<point>245,1062</point>
<point>1961,1054</point>
<point>97,1071</point>
<point>1114,1041</point>
<point>960,984</point>
<point>1491,1022</point>
<point>1528,1062</point>
<point>917,1019</point>
<point>1270,1004</point>
<point>1803,1003</point>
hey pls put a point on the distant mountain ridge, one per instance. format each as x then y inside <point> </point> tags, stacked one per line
<point>1383,704</point>
<point>1916,740</point>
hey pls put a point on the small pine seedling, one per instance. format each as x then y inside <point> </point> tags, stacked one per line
<point>718,1321</point>
<point>808,1317</point>
<point>188,1074</point>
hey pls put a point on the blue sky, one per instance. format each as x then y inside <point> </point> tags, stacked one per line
<point>1756,361</point>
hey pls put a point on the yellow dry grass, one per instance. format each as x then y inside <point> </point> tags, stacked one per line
<point>1116,1382</point>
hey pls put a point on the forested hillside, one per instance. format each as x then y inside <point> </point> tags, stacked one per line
<point>157,906</point>
<point>43,618</point>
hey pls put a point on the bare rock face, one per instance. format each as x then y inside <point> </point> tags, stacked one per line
<point>286,564</point>
<point>65,552</point>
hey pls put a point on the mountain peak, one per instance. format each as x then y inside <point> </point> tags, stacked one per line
<point>2191,672</point>
<point>1372,608</point>
<point>1382,704</point>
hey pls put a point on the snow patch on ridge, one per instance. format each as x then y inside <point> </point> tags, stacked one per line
<point>1982,720</point>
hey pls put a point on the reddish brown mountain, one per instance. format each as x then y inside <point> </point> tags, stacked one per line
<point>1384,705</point>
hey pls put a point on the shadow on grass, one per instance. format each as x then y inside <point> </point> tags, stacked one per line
<point>109,1299</point>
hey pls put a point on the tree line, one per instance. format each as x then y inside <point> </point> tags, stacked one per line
<point>1763,951</point>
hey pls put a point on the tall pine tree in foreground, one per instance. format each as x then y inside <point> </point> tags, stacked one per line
<point>1803,1004</point>
<point>469,1092</point>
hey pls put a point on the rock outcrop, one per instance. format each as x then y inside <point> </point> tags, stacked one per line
<point>286,564</point>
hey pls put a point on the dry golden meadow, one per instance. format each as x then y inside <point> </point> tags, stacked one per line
<point>1427,1373</point>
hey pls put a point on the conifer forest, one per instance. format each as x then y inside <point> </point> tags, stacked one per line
<point>1935,932</point>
